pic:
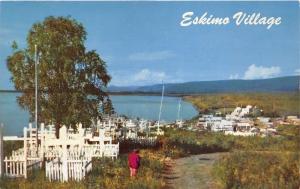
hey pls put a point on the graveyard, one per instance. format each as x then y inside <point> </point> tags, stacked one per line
<point>69,157</point>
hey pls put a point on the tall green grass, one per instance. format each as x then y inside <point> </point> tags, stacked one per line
<point>264,163</point>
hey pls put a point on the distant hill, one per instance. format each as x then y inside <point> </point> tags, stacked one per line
<point>280,84</point>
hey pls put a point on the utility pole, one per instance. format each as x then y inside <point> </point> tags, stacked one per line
<point>36,62</point>
<point>36,85</point>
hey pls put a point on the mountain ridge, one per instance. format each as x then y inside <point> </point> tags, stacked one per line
<point>278,84</point>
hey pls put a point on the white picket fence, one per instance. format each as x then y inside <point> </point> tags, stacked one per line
<point>75,169</point>
<point>24,159</point>
<point>14,167</point>
<point>67,158</point>
<point>88,150</point>
<point>144,141</point>
<point>77,162</point>
<point>18,166</point>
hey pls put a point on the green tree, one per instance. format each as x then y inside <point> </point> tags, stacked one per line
<point>71,80</point>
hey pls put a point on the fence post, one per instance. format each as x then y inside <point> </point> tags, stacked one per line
<point>63,136</point>
<point>1,150</point>
<point>101,141</point>
<point>42,140</point>
<point>30,134</point>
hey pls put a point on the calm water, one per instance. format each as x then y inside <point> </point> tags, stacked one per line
<point>147,107</point>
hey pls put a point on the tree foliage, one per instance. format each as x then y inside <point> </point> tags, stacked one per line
<point>71,80</point>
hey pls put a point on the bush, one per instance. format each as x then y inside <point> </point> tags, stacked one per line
<point>258,170</point>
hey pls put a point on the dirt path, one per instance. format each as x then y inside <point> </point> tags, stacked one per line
<point>191,172</point>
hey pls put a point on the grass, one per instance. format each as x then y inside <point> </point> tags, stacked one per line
<point>272,104</point>
<point>274,163</point>
<point>179,143</point>
<point>106,173</point>
<point>253,162</point>
<point>249,169</point>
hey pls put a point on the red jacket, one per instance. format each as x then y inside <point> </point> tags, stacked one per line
<point>134,160</point>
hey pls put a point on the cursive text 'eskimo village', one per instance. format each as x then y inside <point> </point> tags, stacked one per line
<point>239,18</point>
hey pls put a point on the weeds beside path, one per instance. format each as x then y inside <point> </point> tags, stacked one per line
<point>191,172</point>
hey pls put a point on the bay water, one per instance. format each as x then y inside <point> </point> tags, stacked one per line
<point>134,106</point>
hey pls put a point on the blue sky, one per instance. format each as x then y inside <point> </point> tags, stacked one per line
<point>143,42</point>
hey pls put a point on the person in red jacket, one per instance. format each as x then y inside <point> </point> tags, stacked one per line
<point>134,162</point>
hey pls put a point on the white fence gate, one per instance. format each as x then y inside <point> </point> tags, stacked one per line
<point>75,169</point>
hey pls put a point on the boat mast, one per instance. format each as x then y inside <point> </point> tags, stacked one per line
<point>161,103</point>
<point>179,107</point>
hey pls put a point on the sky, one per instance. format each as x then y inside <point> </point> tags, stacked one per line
<point>144,43</point>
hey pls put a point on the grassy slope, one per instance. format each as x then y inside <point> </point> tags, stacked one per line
<point>253,162</point>
<point>273,104</point>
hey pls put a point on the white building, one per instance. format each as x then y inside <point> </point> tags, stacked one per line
<point>238,113</point>
<point>223,125</point>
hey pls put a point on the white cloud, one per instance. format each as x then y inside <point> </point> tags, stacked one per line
<point>142,77</point>
<point>151,56</point>
<point>234,76</point>
<point>297,71</point>
<point>145,75</point>
<point>260,72</point>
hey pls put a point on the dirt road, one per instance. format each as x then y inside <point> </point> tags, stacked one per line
<point>192,172</point>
